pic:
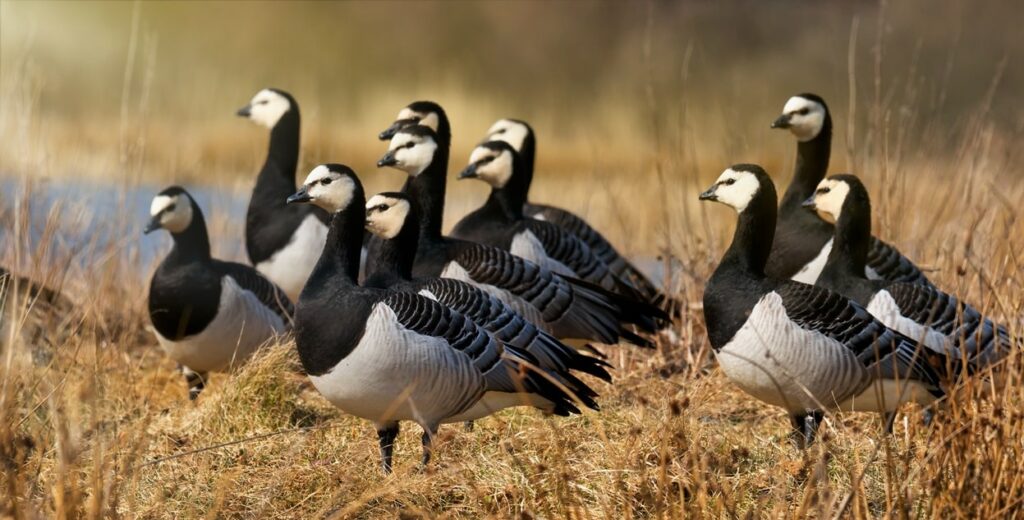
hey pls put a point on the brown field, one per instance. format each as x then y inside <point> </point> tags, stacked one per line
<point>637,106</point>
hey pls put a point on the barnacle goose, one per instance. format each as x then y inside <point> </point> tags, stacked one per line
<point>520,135</point>
<point>939,320</point>
<point>500,222</point>
<point>283,241</point>
<point>567,308</point>
<point>803,241</point>
<point>801,347</point>
<point>390,356</point>
<point>394,217</point>
<point>209,315</point>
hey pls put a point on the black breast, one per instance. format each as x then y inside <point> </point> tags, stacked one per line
<point>329,324</point>
<point>183,299</point>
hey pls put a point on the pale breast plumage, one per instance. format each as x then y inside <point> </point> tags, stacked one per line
<point>781,363</point>
<point>809,273</point>
<point>394,374</point>
<point>290,267</point>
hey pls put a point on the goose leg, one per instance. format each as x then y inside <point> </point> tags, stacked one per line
<point>927,416</point>
<point>196,382</point>
<point>387,434</point>
<point>429,432</point>
<point>890,420</point>
<point>805,427</point>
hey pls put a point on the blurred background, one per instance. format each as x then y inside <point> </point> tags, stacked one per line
<point>636,104</point>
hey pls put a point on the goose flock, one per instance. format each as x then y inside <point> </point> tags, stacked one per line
<point>395,321</point>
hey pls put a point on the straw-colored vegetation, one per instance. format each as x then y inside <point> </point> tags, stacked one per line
<point>637,106</point>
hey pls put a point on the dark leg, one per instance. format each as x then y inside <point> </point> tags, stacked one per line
<point>797,435</point>
<point>196,382</point>
<point>429,432</point>
<point>387,436</point>
<point>890,420</point>
<point>927,416</point>
<point>468,425</point>
<point>805,427</point>
<point>811,424</point>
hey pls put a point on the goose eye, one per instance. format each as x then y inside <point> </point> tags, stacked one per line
<point>729,182</point>
<point>326,181</point>
<point>823,191</point>
<point>170,207</point>
<point>410,144</point>
<point>382,207</point>
<point>803,111</point>
<point>263,102</point>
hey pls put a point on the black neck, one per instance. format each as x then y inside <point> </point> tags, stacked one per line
<point>852,240</point>
<point>752,241</point>
<point>428,189</point>
<point>283,155</point>
<point>811,165</point>
<point>528,153</point>
<point>193,243</point>
<point>510,198</point>
<point>396,256</point>
<point>345,242</point>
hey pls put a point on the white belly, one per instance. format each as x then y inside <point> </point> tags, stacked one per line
<point>886,395</point>
<point>780,363</point>
<point>290,267</point>
<point>883,307</point>
<point>527,245</point>
<point>397,375</point>
<point>809,273</point>
<point>456,272</point>
<point>241,325</point>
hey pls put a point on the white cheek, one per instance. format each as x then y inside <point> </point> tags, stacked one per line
<point>178,220</point>
<point>739,194</point>
<point>514,135</point>
<point>270,113</point>
<point>387,225</point>
<point>498,171</point>
<point>808,127</point>
<point>160,203</point>
<point>431,121</point>
<point>416,159</point>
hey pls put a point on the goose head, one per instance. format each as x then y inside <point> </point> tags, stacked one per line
<point>426,113</point>
<point>267,107</point>
<point>804,116</point>
<point>411,150</point>
<point>737,186</point>
<point>332,187</point>
<point>171,209</point>
<point>386,214</point>
<point>491,162</point>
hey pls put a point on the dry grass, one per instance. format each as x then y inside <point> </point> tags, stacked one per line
<point>104,428</point>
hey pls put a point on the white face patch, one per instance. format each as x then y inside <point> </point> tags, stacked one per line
<point>429,120</point>
<point>175,212</point>
<point>829,197</point>
<point>412,153</point>
<point>806,117</point>
<point>329,190</point>
<point>512,132</point>
<point>497,171</point>
<point>267,107</point>
<point>736,188</point>
<point>385,216</point>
